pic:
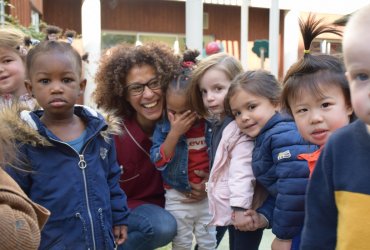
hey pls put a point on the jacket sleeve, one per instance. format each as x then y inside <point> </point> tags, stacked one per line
<point>267,210</point>
<point>155,151</point>
<point>118,197</point>
<point>292,178</point>
<point>22,174</point>
<point>320,225</point>
<point>241,178</point>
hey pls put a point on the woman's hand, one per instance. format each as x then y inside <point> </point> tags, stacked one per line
<point>198,190</point>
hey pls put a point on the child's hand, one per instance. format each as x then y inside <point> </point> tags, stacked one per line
<point>242,222</point>
<point>257,220</point>
<point>278,244</point>
<point>198,190</point>
<point>120,234</point>
<point>180,124</point>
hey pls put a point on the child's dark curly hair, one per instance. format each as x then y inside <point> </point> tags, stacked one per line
<point>118,61</point>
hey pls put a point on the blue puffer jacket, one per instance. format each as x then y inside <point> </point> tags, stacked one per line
<point>277,168</point>
<point>79,188</point>
<point>175,172</point>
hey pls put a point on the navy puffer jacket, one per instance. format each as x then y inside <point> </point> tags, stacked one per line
<point>277,167</point>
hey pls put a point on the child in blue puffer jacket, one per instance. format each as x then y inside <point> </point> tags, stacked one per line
<point>254,101</point>
<point>74,171</point>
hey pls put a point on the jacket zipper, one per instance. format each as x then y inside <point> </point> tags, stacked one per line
<point>82,165</point>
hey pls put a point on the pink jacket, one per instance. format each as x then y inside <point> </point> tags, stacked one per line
<point>231,181</point>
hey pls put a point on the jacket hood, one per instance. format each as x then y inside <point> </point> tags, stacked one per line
<point>19,119</point>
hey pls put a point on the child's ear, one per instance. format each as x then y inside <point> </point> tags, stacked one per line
<point>349,110</point>
<point>277,106</point>
<point>28,85</point>
<point>82,87</point>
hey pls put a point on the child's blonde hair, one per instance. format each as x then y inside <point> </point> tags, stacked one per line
<point>221,61</point>
<point>12,38</point>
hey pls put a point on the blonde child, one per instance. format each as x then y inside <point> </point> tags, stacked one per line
<point>316,92</point>
<point>339,192</point>
<point>74,171</point>
<point>180,147</point>
<point>231,182</point>
<point>254,101</point>
<point>12,69</point>
<point>21,220</point>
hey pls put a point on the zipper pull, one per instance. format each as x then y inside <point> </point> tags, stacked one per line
<point>82,163</point>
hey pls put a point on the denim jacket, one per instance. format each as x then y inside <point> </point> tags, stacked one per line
<point>175,172</point>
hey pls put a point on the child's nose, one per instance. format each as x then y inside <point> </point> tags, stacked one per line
<point>316,116</point>
<point>244,116</point>
<point>210,97</point>
<point>56,87</point>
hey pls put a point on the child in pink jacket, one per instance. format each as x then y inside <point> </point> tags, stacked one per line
<point>231,186</point>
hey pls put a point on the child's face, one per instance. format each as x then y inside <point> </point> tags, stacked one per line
<point>357,59</point>
<point>214,86</point>
<point>251,112</point>
<point>12,73</point>
<point>55,82</point>
<point>176,103</point>
<point>317,117</point>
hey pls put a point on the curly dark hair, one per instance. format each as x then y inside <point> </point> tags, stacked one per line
<point>117,62</point>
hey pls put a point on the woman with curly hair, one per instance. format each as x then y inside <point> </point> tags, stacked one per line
<point>131,81</point>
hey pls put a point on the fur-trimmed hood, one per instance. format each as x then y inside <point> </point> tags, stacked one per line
<point>19,119</point>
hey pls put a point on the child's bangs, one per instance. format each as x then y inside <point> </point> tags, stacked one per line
<point>311,84</point>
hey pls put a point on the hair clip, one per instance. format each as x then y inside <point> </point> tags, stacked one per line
<point>187,64</point>
<point>306,51</point>
<point>70,40</point>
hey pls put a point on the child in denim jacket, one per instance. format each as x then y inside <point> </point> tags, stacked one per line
<point>180,147</point>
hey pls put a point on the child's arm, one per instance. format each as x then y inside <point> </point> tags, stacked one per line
<point>118,197</point>
<point>255,220</point>
<point>260,218</point>
<point>241,176</point>
<point>292,178</point>
<point>179,126</point>
<point>22,174</point>
<point>320,228</point>
<point>278,244</point>
<point>164,144</point>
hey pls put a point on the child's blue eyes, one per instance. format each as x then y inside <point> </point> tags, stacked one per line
<point>362,77</point>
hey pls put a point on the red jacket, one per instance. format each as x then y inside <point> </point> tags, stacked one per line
<point>140,180</point>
